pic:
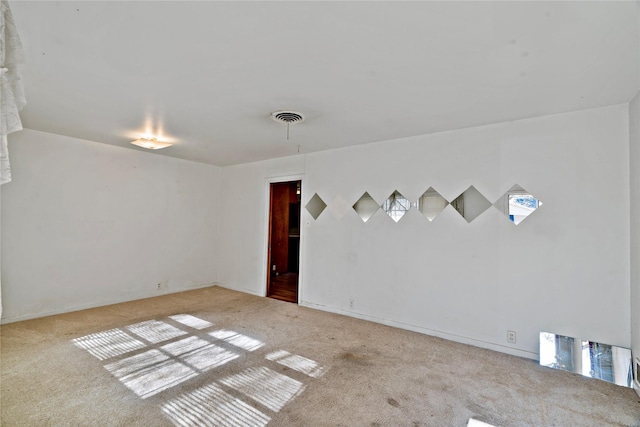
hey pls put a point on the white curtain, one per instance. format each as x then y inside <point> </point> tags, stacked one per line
<point>12,98</point>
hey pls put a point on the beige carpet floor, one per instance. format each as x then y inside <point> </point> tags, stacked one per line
<point>223,358</point>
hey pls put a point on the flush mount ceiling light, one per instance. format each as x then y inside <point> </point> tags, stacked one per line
<point>151,143</point>
<point>287,117</point>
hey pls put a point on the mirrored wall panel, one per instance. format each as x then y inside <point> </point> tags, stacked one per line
<point>396,206</point>
<point>607,362</point>
<point>431,203</point>
<point>591,359</point>
<point>517,204</point>
<point>557,351</point>
<point>315,206</point>
<point>470,204</point>
<point>365,207</point>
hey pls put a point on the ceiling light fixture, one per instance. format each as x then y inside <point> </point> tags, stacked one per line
<point>287,117</point>
<point>151,143</point>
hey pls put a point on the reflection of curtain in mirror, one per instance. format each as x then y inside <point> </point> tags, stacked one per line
<point>12,98</point>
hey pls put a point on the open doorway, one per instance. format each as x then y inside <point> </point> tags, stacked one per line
<point>284,241</point>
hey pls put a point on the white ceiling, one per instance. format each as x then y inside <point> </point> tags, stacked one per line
<point>206,75</point>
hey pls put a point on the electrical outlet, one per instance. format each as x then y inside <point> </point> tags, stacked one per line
<point>351,301</point>
<point>511,337</point>
<point>158,285</point>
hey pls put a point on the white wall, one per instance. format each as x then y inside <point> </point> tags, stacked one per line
<point>87,224</point>
<point>565,269</point>
<point>634,161</point>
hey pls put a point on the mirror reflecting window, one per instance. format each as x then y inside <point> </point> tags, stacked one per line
<point>431,203</point>
<point>365,207</point>
<point>315,206</point>
<point>591,359</point>
<point>557,351</point>
<point>517,204</point>
<point>607,362</point>
<point>396,206</point>
<point>470,204</point>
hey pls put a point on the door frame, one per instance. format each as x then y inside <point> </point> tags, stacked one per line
<point>267,230</point>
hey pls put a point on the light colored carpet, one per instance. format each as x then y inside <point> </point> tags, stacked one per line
<point>238,359</point>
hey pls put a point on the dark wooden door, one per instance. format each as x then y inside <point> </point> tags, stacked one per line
<point>284,241</point>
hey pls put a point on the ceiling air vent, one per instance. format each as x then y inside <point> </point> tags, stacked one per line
<point>287,117</point>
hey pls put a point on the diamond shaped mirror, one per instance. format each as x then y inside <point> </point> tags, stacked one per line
<point>315,206</point>
<point>517,204</point>
<point>431,203</point>
<point>470,204</point>
<point>365,207</point>
<point>396,206</point>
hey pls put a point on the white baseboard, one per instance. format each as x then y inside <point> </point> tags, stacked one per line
<point>451,337</point>
<point>243,290</point>
<point>121,299</point>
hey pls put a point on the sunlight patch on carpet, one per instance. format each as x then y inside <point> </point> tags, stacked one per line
<point>152,356</point>
<point>297,363</point>
<point>155,331</point>
<point>150,372</point>
<point>185,345</point>
<point>242,341</point>
<point>212,406</point>
<point>199,353</point>
<point>108,344</point>
<point>477,423</point>
<point>265,386</point>
<point>191,321</point>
